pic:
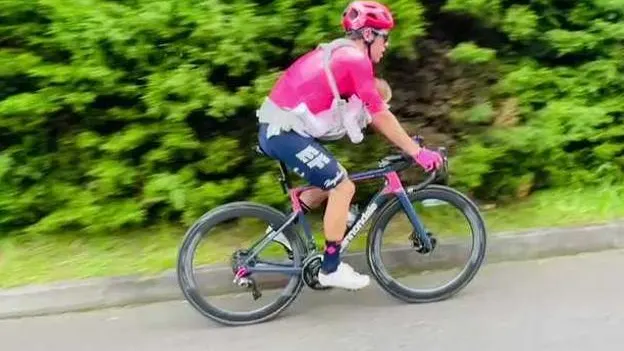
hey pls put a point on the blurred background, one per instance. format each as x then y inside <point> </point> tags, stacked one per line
<point>122,122</point>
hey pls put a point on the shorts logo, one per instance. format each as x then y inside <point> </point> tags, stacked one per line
<point>329,183</point>
<point>299,172</point>
<point>313,157</point>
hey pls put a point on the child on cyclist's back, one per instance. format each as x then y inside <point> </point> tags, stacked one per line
<point>358,118</point>
<point>384,89</point>
<point>353,121</point>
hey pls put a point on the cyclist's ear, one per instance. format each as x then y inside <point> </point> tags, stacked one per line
<point>368,35</point>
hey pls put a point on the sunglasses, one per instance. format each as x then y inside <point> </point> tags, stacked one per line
<point>382,34</point>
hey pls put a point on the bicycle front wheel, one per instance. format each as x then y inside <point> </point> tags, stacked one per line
<point>452,221</point>
<point>240,229</point>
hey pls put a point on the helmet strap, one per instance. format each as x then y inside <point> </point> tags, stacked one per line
<point>368,35</point>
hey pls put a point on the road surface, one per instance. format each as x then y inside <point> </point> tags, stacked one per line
<point>568,303</point>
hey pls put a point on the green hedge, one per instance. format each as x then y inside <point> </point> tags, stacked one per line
<point>119,113</point>
<point>559,106</point>
<point>123,113</point>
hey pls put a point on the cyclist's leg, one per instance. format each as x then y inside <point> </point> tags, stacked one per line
<point>311,161</point>
<point>314,197</point>
<point>311,196</point>
<point>310,199</point>
<point>333,271</point>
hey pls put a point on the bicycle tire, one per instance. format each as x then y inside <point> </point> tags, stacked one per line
<point>392,207</point>
<point>191,239</point>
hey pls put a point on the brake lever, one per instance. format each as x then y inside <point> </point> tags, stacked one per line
<point>444,168</point>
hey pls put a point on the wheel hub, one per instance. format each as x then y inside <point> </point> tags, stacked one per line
<point>418,245</point>
<point>238,259</point>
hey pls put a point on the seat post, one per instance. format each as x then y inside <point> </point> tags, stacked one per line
<point>284,179</point>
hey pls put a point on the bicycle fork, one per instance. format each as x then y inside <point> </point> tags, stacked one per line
<point>394,186</point>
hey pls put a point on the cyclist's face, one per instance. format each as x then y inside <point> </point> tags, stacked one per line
<point>379,47</point>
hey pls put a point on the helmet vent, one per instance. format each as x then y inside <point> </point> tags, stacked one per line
<point>353,14</point>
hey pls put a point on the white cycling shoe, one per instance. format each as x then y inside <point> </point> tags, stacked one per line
<point>344,277</point>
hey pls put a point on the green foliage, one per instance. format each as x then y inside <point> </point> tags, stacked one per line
<point>562,63</point>
<point>116,114</point>
<point>119,114</point>
<point>470,53</point>
<point>488,10</point>
<point>520,23</point>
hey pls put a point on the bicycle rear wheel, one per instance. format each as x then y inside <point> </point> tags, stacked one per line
<point>230,213</point>
<point>400,259</point>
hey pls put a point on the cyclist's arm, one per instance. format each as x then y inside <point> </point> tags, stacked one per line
<point>387,124</point>
<point>383,120</point>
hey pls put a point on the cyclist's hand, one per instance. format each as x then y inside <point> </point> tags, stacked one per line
<point>429,160</point>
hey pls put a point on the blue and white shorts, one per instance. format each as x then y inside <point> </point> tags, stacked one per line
<point>304,156</point>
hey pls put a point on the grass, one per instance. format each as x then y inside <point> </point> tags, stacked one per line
<point>41,259</point>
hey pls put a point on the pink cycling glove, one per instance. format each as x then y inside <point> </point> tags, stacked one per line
<point>428,159</point>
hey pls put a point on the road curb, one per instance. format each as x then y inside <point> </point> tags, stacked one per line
<point>99,293</point>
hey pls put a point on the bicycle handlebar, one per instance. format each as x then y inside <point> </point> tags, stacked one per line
<point>402,161</point>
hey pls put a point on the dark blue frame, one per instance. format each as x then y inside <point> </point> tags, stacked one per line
<point>377,201</point>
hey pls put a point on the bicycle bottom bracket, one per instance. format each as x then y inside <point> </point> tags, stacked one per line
<point>420,248</point>
<point>310,271</point>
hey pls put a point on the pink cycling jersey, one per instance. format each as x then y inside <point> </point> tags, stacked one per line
<point>306,82</point>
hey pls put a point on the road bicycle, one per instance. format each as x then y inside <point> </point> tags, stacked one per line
<point>305,258</point>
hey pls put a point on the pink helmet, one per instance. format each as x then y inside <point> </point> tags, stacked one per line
<point>361,14</point>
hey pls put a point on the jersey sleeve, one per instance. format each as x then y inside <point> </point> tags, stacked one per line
<point>362,75</point>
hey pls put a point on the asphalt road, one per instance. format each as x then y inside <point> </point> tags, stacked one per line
<point>568,303</point>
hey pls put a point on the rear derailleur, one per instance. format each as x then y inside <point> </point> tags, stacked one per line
<point>242,277</point>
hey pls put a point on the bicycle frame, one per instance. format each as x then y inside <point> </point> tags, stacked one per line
<point>392,187</point>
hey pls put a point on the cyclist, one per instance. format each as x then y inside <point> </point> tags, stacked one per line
<point>314,84</point>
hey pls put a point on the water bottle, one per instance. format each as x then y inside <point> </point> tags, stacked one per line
<point>353,214</point>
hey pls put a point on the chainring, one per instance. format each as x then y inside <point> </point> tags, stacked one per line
<point>310,271</point>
